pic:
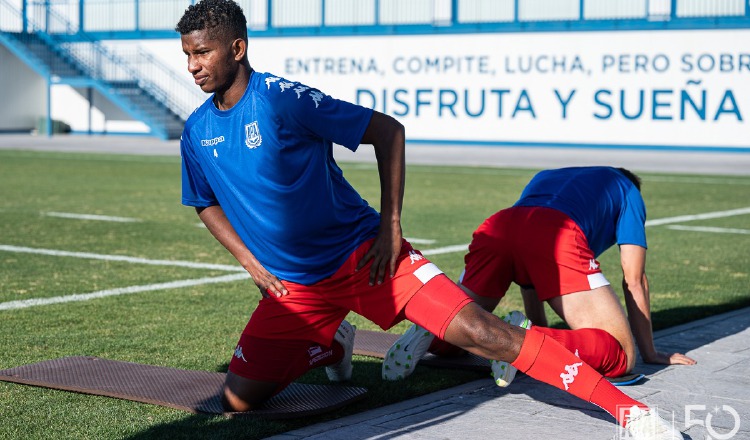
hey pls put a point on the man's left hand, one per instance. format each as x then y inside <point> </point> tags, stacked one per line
<point>384,253</point>
<point>670,359</point>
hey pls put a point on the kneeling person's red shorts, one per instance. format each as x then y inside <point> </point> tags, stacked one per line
<point>533,247</point>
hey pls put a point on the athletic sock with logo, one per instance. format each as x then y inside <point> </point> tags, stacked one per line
<point>544,359</point>
<point>594,346</point>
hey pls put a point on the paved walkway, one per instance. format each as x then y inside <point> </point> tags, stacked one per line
<point>691,162</point>
<point>708,400</point>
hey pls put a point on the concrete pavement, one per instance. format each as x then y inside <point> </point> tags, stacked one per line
<point>710,400</point>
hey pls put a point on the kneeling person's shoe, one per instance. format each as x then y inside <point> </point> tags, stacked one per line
<point>403,356</point>
<point>504,372</point>
<point>647,424</point>
<point>343,370</point>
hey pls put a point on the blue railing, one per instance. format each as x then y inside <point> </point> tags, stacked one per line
<point>98,63</point>
<point>157,18</point>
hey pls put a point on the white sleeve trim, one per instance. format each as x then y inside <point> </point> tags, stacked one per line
<point>427,272</point>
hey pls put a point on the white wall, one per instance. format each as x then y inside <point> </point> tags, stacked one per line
<point>71,106</point>
<point>24,94</point>
<point>624,88</point>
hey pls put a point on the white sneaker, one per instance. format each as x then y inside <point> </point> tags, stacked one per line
<point>648,425</point>
<point>343,370</point>
<point>403,356</point>
<point>504,372</point>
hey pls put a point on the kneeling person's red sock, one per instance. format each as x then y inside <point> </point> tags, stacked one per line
<point>594,346</point>
<point>545,359</point>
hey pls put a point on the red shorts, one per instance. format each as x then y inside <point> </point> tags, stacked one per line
<point>534,247</point>
<point>313,313</point>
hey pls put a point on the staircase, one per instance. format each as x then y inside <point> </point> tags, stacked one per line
<point>135,81</point>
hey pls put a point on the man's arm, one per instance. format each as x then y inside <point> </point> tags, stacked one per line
<point>533,307</point>
<point>218,224</point>
<point>637,300</point>
<point>388,138</point>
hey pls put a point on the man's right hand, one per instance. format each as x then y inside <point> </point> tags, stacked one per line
<point>218,224</point>
<point>265,280</point>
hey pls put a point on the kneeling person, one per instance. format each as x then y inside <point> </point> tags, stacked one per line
<point>548,243</point>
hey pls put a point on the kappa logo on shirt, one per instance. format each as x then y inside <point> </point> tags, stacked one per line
<point>299,89</point>
<point>593,265</point>
<point>253,139</point>
<point>211,142</point>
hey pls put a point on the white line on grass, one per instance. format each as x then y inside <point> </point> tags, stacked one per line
<point>106,218</point>
<point>709,229</point>
<point>420,240</point>
<point>88,255</point>
<point>698,180</point>
<point>704,216</point>
<point>447,249</point>
<point>10,305</point>
<point>227,278</point>
<point>661,221</point>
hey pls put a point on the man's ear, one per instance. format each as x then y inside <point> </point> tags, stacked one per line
<point>239,48</point>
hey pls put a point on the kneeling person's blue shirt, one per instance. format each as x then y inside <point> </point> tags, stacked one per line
<point>602,201</point>
<point>268,162</point>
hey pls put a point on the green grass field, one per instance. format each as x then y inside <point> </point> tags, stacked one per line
<point>693,273</point>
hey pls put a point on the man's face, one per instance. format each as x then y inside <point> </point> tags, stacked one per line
<point>211,61</point>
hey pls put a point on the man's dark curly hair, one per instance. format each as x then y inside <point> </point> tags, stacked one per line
<point>632,177</point>
<point>222,19</point>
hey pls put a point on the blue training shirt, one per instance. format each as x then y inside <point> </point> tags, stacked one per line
<point>268,162</point>
<point>604,203</point>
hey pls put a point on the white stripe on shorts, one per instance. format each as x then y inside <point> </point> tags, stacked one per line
<point>597,280</point>
<point>427,272</point>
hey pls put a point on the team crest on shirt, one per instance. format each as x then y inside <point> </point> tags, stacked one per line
<point>253,138</point>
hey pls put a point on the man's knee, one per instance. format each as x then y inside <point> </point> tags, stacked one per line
<point>630,356</point>
<point>598,308</point>
<point>484,334</point>
<point>240,394</point>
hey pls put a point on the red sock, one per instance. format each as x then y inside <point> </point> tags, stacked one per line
<point>544,359</point>
<point>594,346</point>
<point>606,393</point>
